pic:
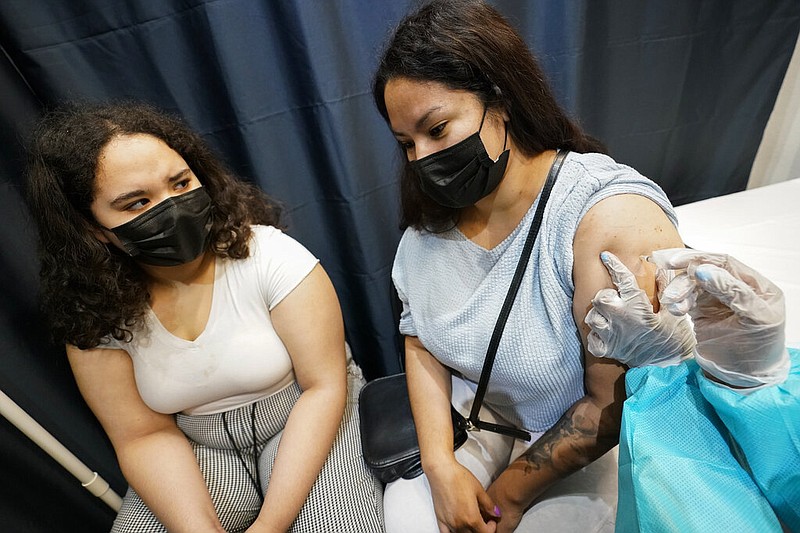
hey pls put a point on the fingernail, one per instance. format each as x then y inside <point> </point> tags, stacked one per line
<point>604,257</point>
<point>496,511</point>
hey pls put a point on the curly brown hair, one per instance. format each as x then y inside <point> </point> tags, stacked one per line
<point>91,290</point>
<point>468,45</point>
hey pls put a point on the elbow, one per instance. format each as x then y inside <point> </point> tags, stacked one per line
<point>605,442</point>
<point>600,428</point>
<point>329,395</point>
<point>131,452</point>
<point>608,428</point>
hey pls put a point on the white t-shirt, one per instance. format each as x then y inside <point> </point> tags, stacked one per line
<point>238,358</point>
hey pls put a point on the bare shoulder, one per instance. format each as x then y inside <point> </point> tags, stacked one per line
<point>624,222</point>
<point>627,225</point>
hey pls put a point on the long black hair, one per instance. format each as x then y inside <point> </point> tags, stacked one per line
<point>467,45</point>
<point>89,289</point>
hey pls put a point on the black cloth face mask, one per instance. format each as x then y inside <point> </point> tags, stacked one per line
<point>171,233</point>
<point>462,174</point>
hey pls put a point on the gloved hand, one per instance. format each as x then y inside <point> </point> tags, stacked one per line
<point>738,316</point>
<point>624,326</point>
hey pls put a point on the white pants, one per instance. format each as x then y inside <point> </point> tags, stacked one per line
<point>584,502</point>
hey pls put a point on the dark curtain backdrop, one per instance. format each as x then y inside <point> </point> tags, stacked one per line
<point>679,90</point>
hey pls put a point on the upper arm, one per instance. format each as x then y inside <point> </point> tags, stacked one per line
<point>309,322</point>
<point>422,367</point>
<point>106,380</point>
<point>629,226</point>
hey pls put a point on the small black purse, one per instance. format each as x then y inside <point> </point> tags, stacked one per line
<point>388,434</point>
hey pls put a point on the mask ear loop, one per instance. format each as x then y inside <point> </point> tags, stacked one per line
<point>499,94</point>
<point>485,109</point>
<point>505,124</point>
<point>505,140</point>
<point>505,127</point>
<point>505,135</point>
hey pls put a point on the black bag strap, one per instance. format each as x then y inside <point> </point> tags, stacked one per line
<point>491,351</point>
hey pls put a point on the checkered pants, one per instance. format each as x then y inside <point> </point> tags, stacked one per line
<point>345,497</point>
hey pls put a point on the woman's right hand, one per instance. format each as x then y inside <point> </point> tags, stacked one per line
<point>460,501</point>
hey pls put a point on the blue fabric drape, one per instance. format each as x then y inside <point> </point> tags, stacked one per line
<point>281,89</point>
<point>681,90</point>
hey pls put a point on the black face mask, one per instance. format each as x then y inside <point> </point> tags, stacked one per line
<point>462,174</point>
<point>171,233</point>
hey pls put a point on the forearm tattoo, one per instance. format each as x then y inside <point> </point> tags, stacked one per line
<point>572,443</point>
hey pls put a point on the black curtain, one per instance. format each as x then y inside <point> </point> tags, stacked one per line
<point>281,89</point>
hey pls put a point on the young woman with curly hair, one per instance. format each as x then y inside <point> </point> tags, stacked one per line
<point>208,343</point>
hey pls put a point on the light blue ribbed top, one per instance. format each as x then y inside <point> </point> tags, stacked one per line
<point>452,291</point>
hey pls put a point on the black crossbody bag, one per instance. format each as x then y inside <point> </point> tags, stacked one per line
<point>388,434</point>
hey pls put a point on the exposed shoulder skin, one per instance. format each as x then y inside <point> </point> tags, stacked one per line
<point>629,226</point>
<point>153,453</point>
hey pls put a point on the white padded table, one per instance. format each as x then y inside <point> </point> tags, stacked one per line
<point>761,228</point>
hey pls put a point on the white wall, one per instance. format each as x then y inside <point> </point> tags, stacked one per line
<point>778,156</point>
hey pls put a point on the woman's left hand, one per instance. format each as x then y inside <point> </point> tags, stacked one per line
<point>510,513</point>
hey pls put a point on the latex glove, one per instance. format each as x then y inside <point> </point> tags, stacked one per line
<point>625,327</point>
<point>738,316</point>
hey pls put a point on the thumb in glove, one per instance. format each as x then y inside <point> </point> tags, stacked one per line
<point>625,327</point>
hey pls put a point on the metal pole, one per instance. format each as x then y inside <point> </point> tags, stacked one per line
<point>90,480</point>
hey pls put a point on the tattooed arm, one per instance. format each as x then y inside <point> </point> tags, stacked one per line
<point>588,429</point>
<point>628,226</point>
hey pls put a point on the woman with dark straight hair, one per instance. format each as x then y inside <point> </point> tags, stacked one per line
<point>481,132</point>
<point>208,343</point>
